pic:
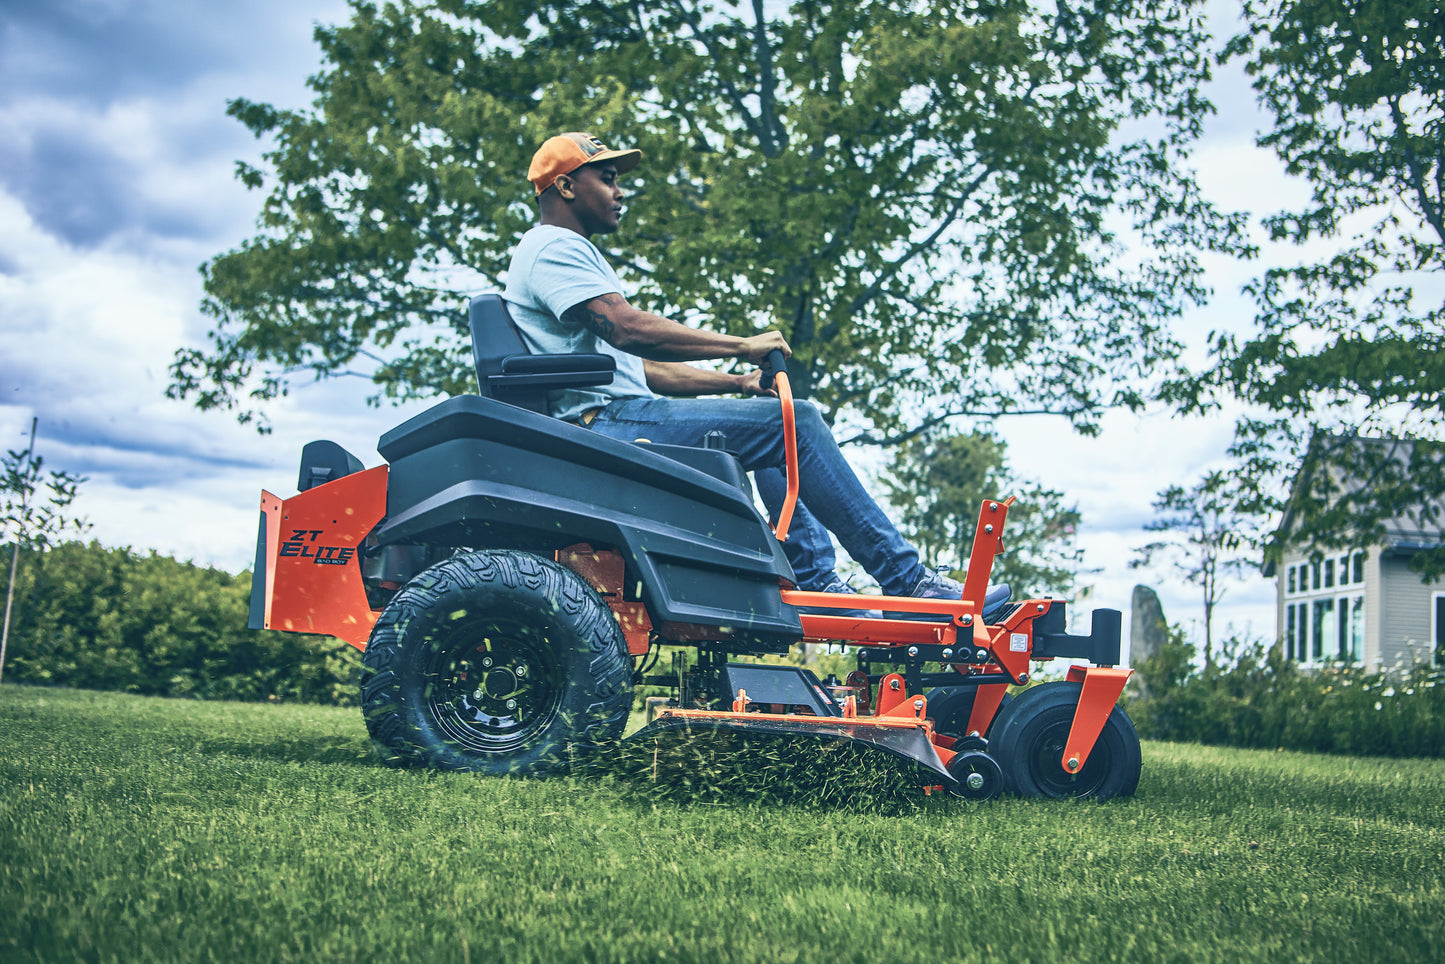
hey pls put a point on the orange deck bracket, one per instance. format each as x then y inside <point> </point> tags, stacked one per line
<point>987,543</point>
<point>891,692</point>
<point>1102,686</point>
<point>986,701</point>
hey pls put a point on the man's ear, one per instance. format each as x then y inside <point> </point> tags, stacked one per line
<point>563,184</point>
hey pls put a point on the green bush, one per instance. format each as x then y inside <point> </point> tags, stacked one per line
<point>1262,700</point>
<point>97,618</point>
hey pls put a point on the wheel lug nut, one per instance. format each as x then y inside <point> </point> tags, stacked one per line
<point>522,670</point>
<point>487,662</point>
<point>511,704</point>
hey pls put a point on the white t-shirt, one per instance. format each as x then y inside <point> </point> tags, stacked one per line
<point>554,269</point>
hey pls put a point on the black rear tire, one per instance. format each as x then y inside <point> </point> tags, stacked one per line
<point>497,662</point>
<point>1029,740</point>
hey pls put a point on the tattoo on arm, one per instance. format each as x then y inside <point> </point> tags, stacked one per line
<point>591,319</point>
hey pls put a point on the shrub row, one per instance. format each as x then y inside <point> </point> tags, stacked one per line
<point>1263,700</point>
<point>92,617</point>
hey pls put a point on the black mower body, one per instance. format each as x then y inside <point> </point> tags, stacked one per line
<point>474,471</point>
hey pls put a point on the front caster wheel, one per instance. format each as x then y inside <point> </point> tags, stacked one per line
<point>1028,741</point>
<point>498,662</point>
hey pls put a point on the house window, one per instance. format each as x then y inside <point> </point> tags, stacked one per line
<point>1329,574</point>
<point>1323,624</point>
<point>1302,649</point>
<point>1289,631</point>
<point>1357,628</point>
<point>1291,579</point>
<point>1315,575</point>
<point>1358,561</point>
<point>1439,633</point>
<point>1342,626</point>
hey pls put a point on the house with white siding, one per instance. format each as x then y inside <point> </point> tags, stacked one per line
<point>1363,606</point>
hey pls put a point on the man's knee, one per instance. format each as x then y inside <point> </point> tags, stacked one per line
<point>809,419</point>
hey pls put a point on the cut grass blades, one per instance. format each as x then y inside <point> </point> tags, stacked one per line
<point>138,829</point>
<point>714,766</point>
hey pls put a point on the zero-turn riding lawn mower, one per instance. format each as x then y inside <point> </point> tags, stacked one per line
<point>510,578</point>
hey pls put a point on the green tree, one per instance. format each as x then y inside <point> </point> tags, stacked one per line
<point>1352,345</point>
<point>37,514</point>
<point>936,483</point>
<point>1205,538</point>
<point>929,200</point>
<point>37,505</point>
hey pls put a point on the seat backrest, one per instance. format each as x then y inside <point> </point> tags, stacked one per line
<point>507,370</point>
<point>495,338</point>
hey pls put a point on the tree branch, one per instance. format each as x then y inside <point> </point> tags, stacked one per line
<point>1431,212</point>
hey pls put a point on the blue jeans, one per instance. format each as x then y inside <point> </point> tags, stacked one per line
<point>830,497</point>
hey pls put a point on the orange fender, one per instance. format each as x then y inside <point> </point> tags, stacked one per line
<point>308,567</point>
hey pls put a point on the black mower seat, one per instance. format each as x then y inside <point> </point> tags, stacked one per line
<point>508,372</point>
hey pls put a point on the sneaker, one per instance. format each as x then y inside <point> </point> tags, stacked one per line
<point>842,588</point>
<point>939,585</point>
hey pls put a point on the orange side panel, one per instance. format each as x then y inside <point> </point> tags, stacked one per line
<point>271,509</point>
<point>313,543</point>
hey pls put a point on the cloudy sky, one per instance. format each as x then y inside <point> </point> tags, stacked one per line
<point>116,183</point>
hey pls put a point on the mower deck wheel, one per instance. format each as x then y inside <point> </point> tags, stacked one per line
<point>978,774</point>
<point>495,661</point>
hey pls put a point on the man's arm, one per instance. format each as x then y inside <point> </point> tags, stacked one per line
<point>676,378</point>
<point>659,339</point>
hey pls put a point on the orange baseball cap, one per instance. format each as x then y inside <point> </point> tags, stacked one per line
<point>565,153</point>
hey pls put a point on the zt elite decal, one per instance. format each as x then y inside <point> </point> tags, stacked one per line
<point>302,542</point>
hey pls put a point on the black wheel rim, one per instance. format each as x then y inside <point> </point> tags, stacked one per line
<point>1046,767</point>
<point>492,684</point>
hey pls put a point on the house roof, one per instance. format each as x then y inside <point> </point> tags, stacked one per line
<point>1392,479</point>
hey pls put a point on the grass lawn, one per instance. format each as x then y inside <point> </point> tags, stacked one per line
<point>136,829</point>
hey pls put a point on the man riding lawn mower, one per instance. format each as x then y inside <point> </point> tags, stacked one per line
<point>511,575</point>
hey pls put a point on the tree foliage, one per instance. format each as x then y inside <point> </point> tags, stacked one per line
<point>92,617</point>
<point>37,504</point>
<point>929,200</point>
<point>1203,538</point>
<point>1349,345</point>
<point>936,483</point>
<point>30,521</point>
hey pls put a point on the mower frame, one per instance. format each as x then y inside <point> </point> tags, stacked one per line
<point>670,540</point>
